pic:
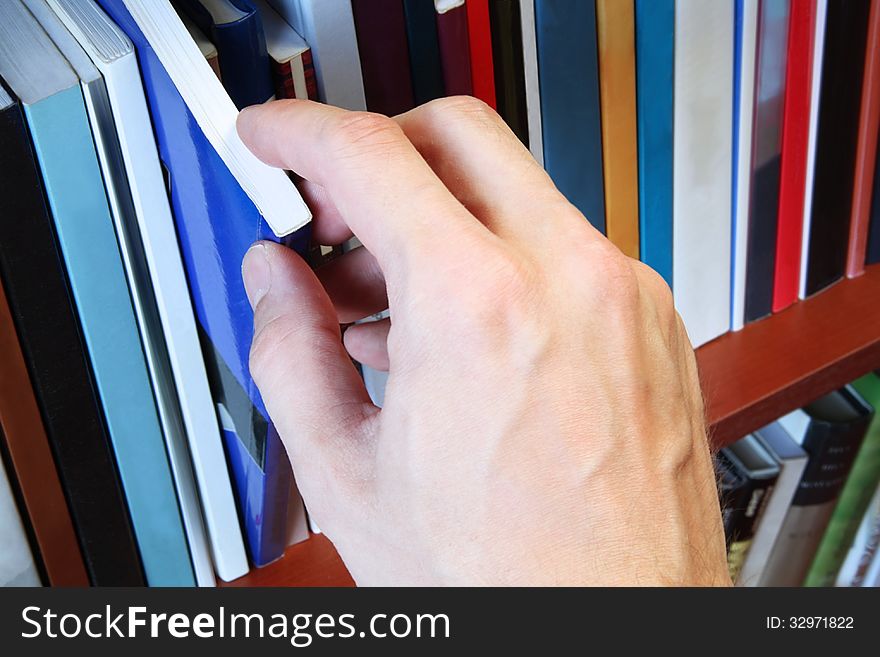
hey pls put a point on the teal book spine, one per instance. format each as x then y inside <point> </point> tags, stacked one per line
<point>655,66</point>
<point>84,227</point>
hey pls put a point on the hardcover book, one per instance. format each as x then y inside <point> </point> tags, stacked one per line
<point>148,242</point>
<point>292,70</point>
<point>568,66</point>
<point>30,455</point>
<point>384,54</point>
<point>216,223</point>
<point>235,28</point>
<point>793,163</point>
<point>507,54</point>
<point>17,567</point>
<point>328,28</point>
<point>452,33</point>
<point>830,430</point>
<point>531,80</point>
<point>617,82</point>
<point>480,43</point>
<point>836,142</point>
<point>37,290</point>
<point>65,146</point>
<point>655,39</point>
<point>424,50</point>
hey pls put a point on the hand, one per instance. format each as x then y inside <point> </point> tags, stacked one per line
<point>543,421</point>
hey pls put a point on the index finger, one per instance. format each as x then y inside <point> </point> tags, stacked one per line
<point>383,189</point>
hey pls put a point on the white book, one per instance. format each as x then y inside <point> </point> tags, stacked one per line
<point>747,48</point>
<point>328,28</point>
<point>702,166</point>
<point>861,562</point>
<point>812,135</point>
<point>17,566</point>
<point>152,258</point>
<point>792,460</point>
<point>530,70</point>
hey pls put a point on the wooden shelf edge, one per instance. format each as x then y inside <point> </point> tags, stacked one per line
<point>749,379</point>
<point>773,366</point>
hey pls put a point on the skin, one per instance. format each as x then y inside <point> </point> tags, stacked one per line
<point>543,421</point>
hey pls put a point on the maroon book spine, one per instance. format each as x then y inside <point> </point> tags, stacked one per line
<point>452,30</point>
<point>384,54</point>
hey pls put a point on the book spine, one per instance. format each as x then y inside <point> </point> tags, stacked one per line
<point>19,568</point>
<point>384,55</point>
<point>854,497</point>
<point>702,167</point>
<point>568,66</point>
<point>836,143</point>
<point>84,226</point>
<point>510,91</point>
<point>480,43</point>
<point>33,464</point>
<point>616,37</point>
<point>310,76</point>
<point>864,549</point>
<point>452,34</point>
<point>282,76</point>
<point>866,152</point>
<point>743,522</point>
<point>773,20</point>
<point>424,50</point>
<point>873,248</point>
<point>655,35</point>
<point>793,165</point>
<point>531,80</point>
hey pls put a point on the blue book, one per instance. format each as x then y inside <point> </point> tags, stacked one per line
<point>424,50</point>
<point>237,33</point>
<point>68,162</point>
<point>655,70</point>
<point>568,70</point>
<point>216,223</point>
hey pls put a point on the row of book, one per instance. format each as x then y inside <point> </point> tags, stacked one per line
<point>801,496</point>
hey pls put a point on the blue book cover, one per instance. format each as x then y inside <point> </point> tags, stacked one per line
<point>238,35</point>
<point>216,224</point>
<point>655,69</point>
<point>424,50</point>
<point>568,70</point>
<point>62,139</point>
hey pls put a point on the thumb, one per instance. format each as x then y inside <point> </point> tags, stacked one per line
<point>313,393</point>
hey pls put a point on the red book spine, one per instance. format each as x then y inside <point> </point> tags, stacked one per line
<point>452,34</point>
<point>866,156</point>
<point>309,70</point>
<point>480,39</point>
<point>795,135</point>
<point>282,76</point>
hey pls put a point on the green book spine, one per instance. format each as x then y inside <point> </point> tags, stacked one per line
<point>855,497</point>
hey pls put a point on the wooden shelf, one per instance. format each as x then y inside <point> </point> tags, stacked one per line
<point>749,379</point>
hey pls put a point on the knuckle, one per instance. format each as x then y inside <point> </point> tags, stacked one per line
<point>462,107</point>
<point>356,131</point>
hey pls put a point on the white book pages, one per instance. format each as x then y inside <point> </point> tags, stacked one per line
<point>270,189</point>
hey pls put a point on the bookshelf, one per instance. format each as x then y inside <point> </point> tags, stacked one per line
<point>749,379</point>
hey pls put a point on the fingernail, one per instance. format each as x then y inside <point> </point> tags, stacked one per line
<point>256,273</point>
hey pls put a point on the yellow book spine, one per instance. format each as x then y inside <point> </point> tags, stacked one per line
<point>615,23</point>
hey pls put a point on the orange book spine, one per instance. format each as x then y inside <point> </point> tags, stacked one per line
<point>615,23</point>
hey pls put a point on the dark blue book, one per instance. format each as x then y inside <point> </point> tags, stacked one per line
<point>424,50</point>
<point>873,251</point>
<point>216,223</point>
<point>568,69</point>
<point>655,70</point>
<point>236,30</point>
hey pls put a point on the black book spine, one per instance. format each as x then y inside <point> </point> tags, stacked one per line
<point>39,298</point>
<point>843,62</point>
<point>507,55</point>
<point>424,50</point>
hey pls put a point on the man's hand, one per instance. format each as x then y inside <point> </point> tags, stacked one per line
<point>543,422</point>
